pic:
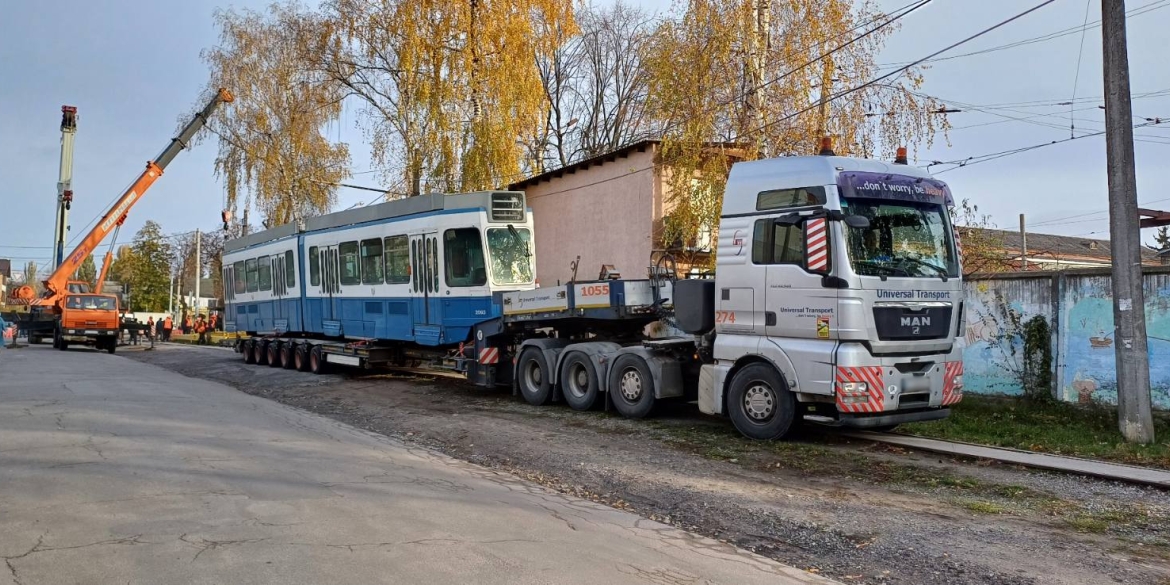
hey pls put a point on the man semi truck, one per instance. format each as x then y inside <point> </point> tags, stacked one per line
<point>837,299</point>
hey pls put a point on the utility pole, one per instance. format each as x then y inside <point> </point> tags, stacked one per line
<point>1129,304</point>
<point>1023,244</point>
<point>198,269</point>
<point>171,295</point>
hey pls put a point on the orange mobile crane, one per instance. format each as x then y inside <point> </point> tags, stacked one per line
<point>67,310</point>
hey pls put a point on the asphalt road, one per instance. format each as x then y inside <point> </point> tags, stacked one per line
<point>115,471</point>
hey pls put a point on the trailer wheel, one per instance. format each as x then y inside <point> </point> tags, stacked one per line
<point>248,351</point>
<point>274,351</point>
<point>578,381</point>
<point>288,351</point>
<point>631,386</point>
<point>317,363</point>
<point>534,376</point>
<point>759,403</point>
<point>261,351</point>
<point>301,357</point>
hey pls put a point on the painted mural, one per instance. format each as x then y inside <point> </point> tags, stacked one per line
<point>1083,344</point>
<point>1089,372</point>
<point>993,354</point>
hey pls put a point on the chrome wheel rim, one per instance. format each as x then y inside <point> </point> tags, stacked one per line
<point>631,386</point>
<point>759,402</point>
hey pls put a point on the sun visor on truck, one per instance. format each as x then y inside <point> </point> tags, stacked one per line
<point>866,185</point>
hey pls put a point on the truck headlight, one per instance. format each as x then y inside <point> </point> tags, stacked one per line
<point>854,388</point>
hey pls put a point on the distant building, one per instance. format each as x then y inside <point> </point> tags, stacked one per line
<point>6,268</point>
<point>1046,251</point>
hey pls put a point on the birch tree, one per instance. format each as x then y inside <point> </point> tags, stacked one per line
<point>273,151</point>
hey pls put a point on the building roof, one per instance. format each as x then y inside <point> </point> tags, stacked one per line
<point>611,156</point>
<point>1063,247</point>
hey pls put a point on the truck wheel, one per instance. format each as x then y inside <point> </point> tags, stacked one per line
<point>261,351</point>
<point>248,351</point>
<point>631,387</point>
<point>111,345</point>
<point>287,351</point>
<point>274,351</point>
<point>301,357</point>
<point>579,381</point>
<point>317,363</point>
<point>759,403</point>
<point>534,377</point>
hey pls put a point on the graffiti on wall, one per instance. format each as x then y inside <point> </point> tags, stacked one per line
<point>1084,350</point>
<point>1087,340</point>
<point>994,351</point>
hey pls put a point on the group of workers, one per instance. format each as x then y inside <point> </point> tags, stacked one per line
<point>201,325</point>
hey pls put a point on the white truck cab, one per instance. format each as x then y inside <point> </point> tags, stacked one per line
<point>838,296</point>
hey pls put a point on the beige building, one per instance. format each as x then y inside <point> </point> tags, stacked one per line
<point>607,210</point>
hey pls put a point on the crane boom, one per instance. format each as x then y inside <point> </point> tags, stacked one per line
<point>56,286</point>
<point>64,182</point>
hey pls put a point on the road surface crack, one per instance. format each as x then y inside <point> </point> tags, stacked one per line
<point>205,545</point>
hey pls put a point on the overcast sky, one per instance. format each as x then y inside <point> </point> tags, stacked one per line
<point>132,67</point>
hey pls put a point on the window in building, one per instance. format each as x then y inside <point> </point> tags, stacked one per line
<point>350,270</point>
<point>397,260</point>
<point>372,261</point>
<point>250,270</point>
<point>463,254</point>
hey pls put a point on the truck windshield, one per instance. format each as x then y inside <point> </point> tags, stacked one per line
<point>90,303</point>
<point>510,250</point>
<point>904,238</point>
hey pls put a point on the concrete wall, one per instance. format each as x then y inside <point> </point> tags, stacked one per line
<point>602,213</point>
<point>1079,307</point>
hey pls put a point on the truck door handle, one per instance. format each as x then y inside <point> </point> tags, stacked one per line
<point>769,319</point>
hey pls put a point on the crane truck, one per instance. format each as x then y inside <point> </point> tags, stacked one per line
<point>837,299</point>
<point>68,311</point>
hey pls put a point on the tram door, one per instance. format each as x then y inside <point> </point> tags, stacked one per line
<point>330,282</point>
<point>424,287</point>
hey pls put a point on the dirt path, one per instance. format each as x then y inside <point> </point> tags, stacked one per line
<point>853,511</point>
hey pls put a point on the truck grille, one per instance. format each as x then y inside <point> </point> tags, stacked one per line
<point>912,322</point>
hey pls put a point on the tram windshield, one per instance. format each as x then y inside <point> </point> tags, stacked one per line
<point>510,250</point>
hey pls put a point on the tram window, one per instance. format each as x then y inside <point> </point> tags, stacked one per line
<point>397,260</point>
<point>264,269</point>
<point>290,270</point>
<point>250,269</point>
<point>350,271</point>
<point>414,263</point>
<point>463,254</point>
<point>372,261</point>
<point>314,267</point>
<point>240,284</point>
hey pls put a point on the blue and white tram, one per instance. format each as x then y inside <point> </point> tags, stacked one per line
<point>420,270</point>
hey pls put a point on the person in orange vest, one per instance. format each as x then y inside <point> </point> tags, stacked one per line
<point>168,326</point>
<point>186,324</point>
<point>212,322</point>
<point>201,329</point>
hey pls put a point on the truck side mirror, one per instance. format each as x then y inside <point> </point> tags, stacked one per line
<point>857,221</point>
<point>816,245</point>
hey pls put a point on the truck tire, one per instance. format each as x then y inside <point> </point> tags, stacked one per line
<point>317,363</point>
<point>533,377</point>
<point>274,351</point>
<point>578,380</point>
<point>247,350</point>
<point>631,386</point>
<point>261,352</point>
<point>111,345</point>
<point>760,404</point>
<point>301,357</point>
<point>288,352</point>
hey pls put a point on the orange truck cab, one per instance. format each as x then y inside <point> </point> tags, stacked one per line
<point>90,319</point>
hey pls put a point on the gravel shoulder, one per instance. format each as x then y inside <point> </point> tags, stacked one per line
<point>850,510</point>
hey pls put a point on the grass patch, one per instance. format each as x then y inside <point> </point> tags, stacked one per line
<point>1058,428</point>
<point>982,507</point>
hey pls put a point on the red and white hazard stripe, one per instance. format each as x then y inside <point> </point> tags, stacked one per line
<point>958,244</point>
<point>952,392</point>
<point>872,377</point>
<point>489,355</point>
<point>816,239</point>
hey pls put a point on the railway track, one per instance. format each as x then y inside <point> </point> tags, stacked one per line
<point>1100,469</point>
